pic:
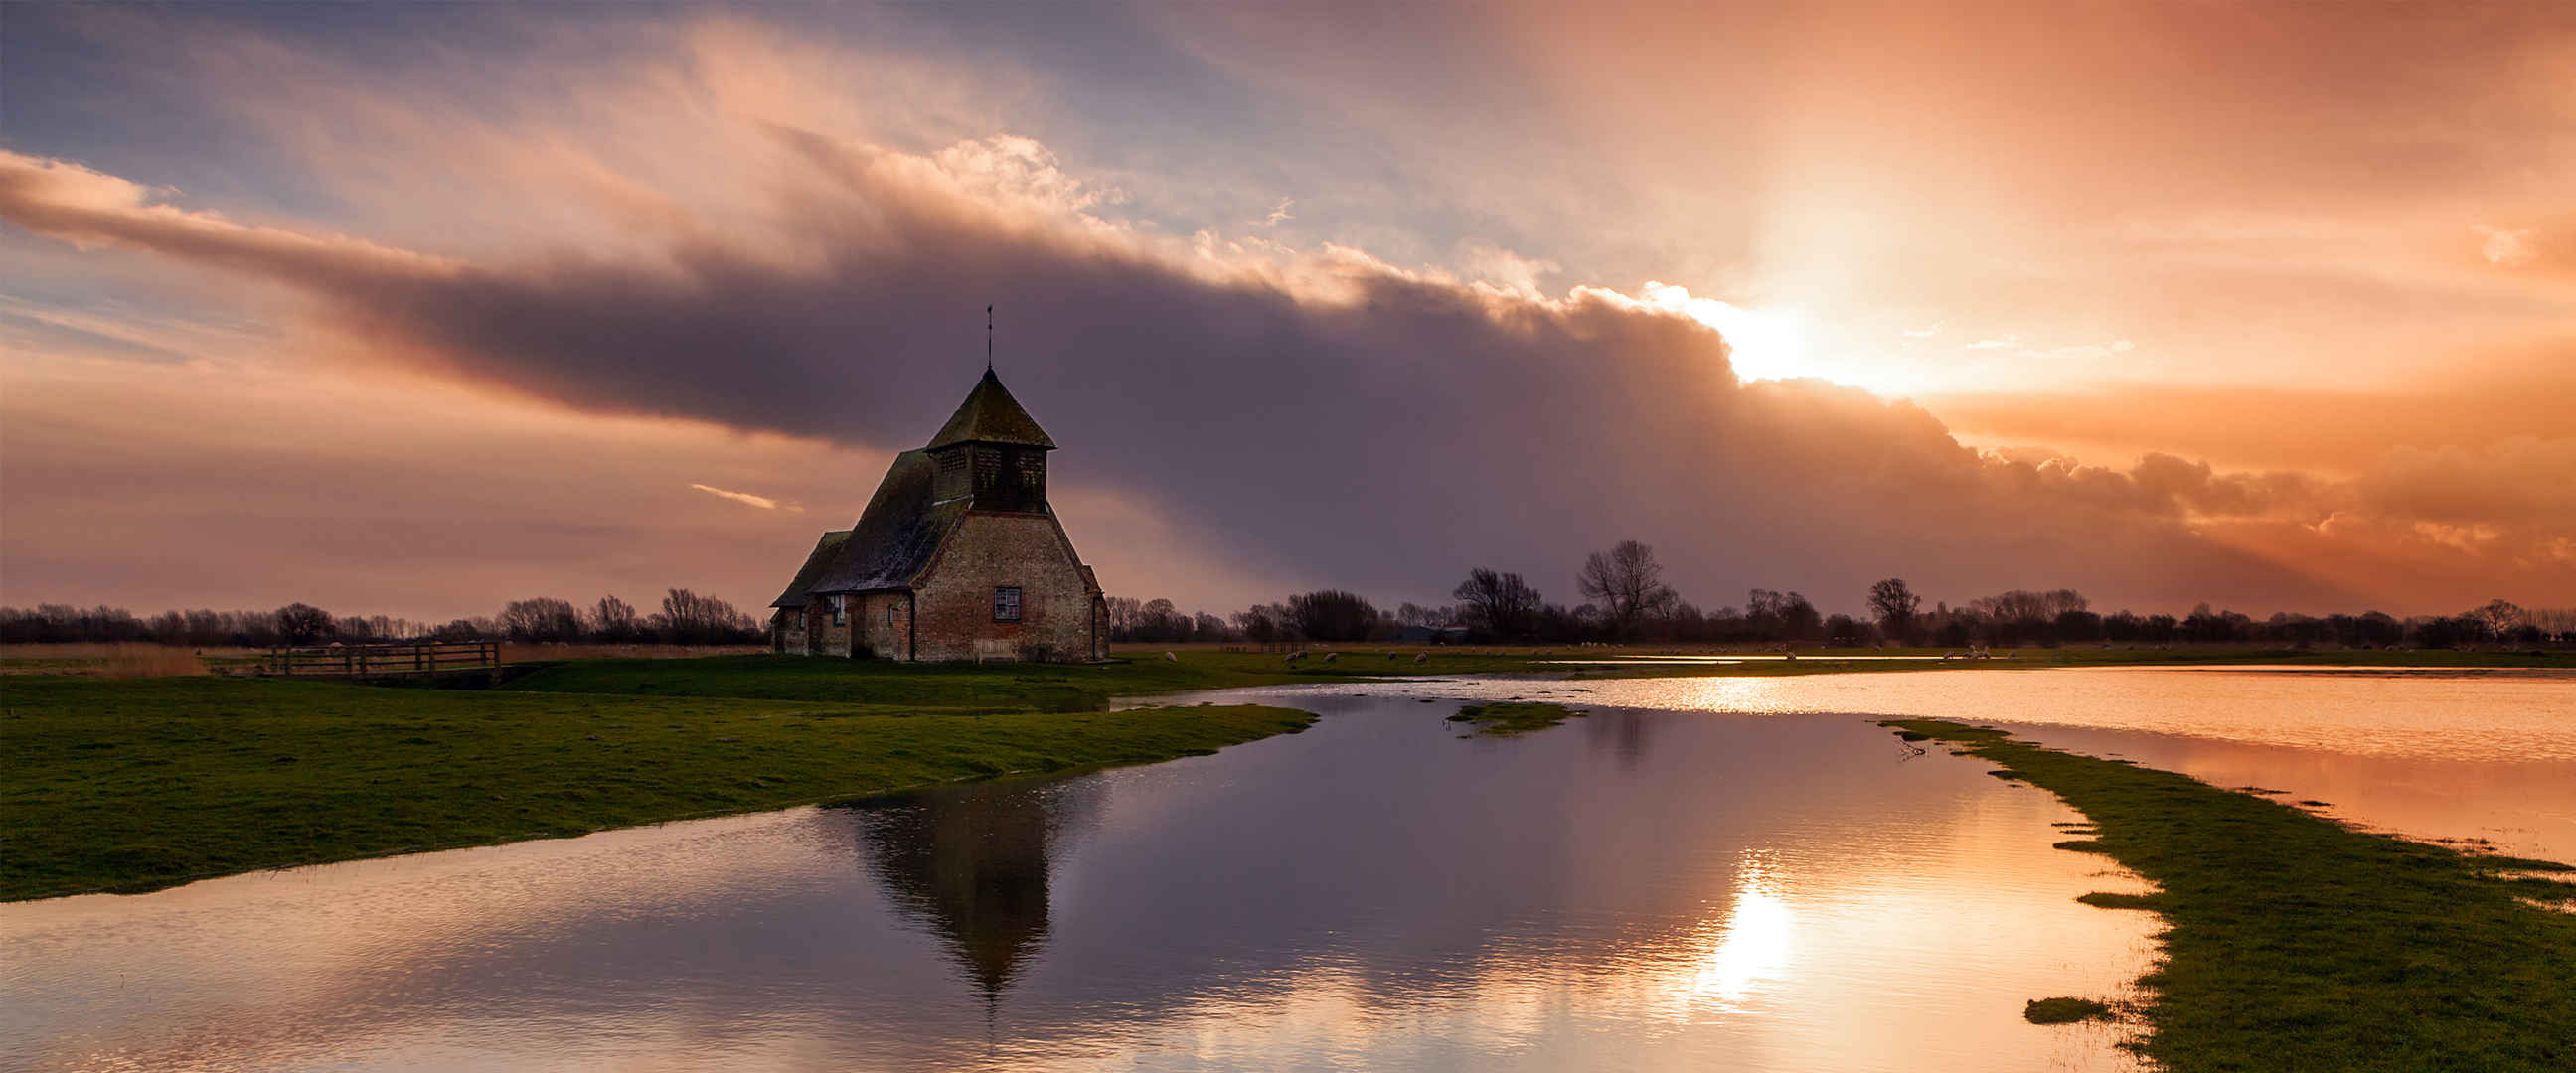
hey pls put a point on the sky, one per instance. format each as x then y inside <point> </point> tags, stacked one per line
<point>415,309</point>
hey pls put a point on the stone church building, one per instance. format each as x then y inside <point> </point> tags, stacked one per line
<point>958,556</point>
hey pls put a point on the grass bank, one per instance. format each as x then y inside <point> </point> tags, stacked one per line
<point>2297,943</point>
<point>110,785</point>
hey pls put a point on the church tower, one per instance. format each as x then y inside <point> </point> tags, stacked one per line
<point>991,453</point>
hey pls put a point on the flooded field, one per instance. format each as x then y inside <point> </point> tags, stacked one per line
<point>1704,873</point>
<point>2431,753</point>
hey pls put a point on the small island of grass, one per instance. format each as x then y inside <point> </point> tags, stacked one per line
<point>2064,1011</point>
<point>1511,719</point>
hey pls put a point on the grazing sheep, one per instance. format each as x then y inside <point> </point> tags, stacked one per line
<point>1170,658</point>
<point>1331,656</point>
<point>1295,656</point>
<point>1422,657</point>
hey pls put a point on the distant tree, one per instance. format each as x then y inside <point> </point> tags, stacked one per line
<point>1893,603</point>
<point>1409,613</point>
<point>302,624</point>
<point>613,619</point>
<point>1332,615</point>
<point>1266,624</point>
<point>1846,632</point>
<point>1501,604</point>
<point>1627,584</point>
<point>2497,619</point>
<point>542,619</point>
<point>1799,620</point>
<point>1124,613</point>
<point>2443,631</point>
<point>1155,620</point>
<point>2073,625</point>
<point>690,619</point>
<point>1686,622</point>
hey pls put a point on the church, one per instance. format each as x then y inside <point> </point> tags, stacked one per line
<point>957,556</point>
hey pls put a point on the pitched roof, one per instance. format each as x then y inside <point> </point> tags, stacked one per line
<point>824,551</point>
<point>991,415</point>
<point>896,535</point>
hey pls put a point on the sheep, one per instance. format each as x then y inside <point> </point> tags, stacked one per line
<point>1422,657</point>
<point>1170,658</point>
<point>1331,656</point>
<point>1295,656</point>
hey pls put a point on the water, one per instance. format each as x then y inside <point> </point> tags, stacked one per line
<point>1630,890</point>
<point>1692,876</point>
<point>2465,755</point>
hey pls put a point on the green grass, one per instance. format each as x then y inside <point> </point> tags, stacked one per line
<point>2297,943</point>
<point>109,785</point>
<point>1511,719</point>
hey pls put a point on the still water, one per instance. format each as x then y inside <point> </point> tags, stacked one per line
<point>2435,754</point>
<point>1634,889</point>
<point>1699,874</point>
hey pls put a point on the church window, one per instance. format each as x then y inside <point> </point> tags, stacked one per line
<point>840,610</point>
<point>1006,603</point>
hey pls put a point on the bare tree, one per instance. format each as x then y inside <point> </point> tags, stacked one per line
<point>1894,604</point>
<point>301,623</point>
<point>540,619</point>
<point>1332,615</point>
<point>613,619</point>
<point>1502,603</point>
<point>1124,613</point>
<point>1628,584</point>
<point>2498,618</point>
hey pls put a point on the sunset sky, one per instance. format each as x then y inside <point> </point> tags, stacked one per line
<point>415,309</point>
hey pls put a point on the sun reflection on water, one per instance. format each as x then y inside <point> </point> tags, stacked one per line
<point>1753,944</point>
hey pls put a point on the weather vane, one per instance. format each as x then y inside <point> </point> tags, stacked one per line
<point>988,339</point>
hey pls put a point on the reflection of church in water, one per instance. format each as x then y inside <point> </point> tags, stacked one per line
<point>969,864</point>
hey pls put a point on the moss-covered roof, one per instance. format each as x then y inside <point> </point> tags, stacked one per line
<point>991,415</point>
<point>824,552</point>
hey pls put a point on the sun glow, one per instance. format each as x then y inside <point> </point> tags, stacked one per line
<point>1762,344</point>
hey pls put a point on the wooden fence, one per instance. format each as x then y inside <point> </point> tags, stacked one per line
<point>413,657</point>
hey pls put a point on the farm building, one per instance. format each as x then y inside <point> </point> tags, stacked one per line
<point>957,556</point>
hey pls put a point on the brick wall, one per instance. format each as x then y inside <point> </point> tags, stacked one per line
<point>1026,551</point>
<point>885,624</point>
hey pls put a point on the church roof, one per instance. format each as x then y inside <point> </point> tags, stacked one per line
<point>897,534</point>
<point>825,550</point>
<point>991,415</point>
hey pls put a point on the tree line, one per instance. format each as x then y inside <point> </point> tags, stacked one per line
<point>1625,599</point>
<point>684,618</point>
